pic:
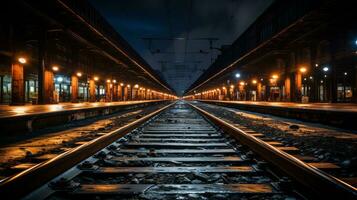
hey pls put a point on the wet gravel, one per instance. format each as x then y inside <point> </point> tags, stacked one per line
<point>98,170</point>
<point>41,145</point>
<point>325,144</point>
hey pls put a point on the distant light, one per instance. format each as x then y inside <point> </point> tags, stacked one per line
<point>325,76</point>
<point>122,84</point>
<point>316,65</point>
<point>321,81</point>
<point>345,73</point>
<point>325,69</point>
<point>303,69</point>
<point>108,80</point>
<point>96,78</point>
<point>60,79</point>
<point>304,79</point>
<point>241,83</point>
<point>274,76</point>
<point>55,68</point>
<point>223,88</point>
<point>136,86</point>
<point>310,77</point>
<point>114,81</point>
<point>22,60</point>
<point>79,74</point>
<point>237,75</point>
<point>254,81</point>
<point>232,86</point>
<point>356,42</point>
<point>261,79</point>
<point>128,86</point>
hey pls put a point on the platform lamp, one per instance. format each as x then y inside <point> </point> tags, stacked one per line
<point>55,68</point>
<point>96,79</point>
<point>22,59</point>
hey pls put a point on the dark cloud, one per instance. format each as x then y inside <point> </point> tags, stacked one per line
<point>222,19</point>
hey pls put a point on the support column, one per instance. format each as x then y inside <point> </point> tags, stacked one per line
<point>115,92</point>
<point>120,93</point>
<point>108,92</point>
<point>17,84</point>
<point>74,89</point>
<point>298,80</point>
<point>259,91</point>
<point>134,94</point>
<point>126,94</point>
<point>91,90</point>
<point>48,87</point>
<point>1,89</point>
<point>287,89</point>
<point>354,91</point>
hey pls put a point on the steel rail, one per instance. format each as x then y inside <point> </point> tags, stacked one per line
<point>32,178</point>
<point>318,182</point>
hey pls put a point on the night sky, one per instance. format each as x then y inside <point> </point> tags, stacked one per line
<point>180,51</point>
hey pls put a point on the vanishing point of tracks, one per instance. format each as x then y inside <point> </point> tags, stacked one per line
<point>178,152</point>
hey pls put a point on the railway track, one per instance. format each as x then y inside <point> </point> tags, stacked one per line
<point>177,152</point>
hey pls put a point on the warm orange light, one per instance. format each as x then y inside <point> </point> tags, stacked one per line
<point>223,88</point>
<point>254,81</point>
<point>122,84</point>
<point>241,83</point>
<point>232,86</point>
<point>303,69</point>
<point>108,81</point>
<point>79,74</point>
<point>55,68</point>
<point>136,86</point>
<point>274,76</point>
<point>128,86</point>
<point>22,60</point>
<point>114,81</point>
<point>96,78</point>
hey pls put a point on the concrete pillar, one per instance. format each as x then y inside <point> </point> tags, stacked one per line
<point>74,89</point>
<point>126,94</point>
<point>259,91</point>
<point>115,92</point>
<point>41,68</point>
<point>287,88</point>
<point>17,84</point>
<point>139,92</point>
<point>108,92</point>
<point>298,81</point>
<point>48,87</point>
<point>149,97</point>
<point>242,95</point>
<point>92,90</point>
<point>120,93</point>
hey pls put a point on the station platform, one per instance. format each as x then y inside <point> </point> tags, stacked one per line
<point>342,115</point>
<point>19,119</point>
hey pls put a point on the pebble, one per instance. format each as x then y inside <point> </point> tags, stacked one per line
<point>196,181</point>
<point>135,180</point>
<point>346,163</point>
<point>195,196</point>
